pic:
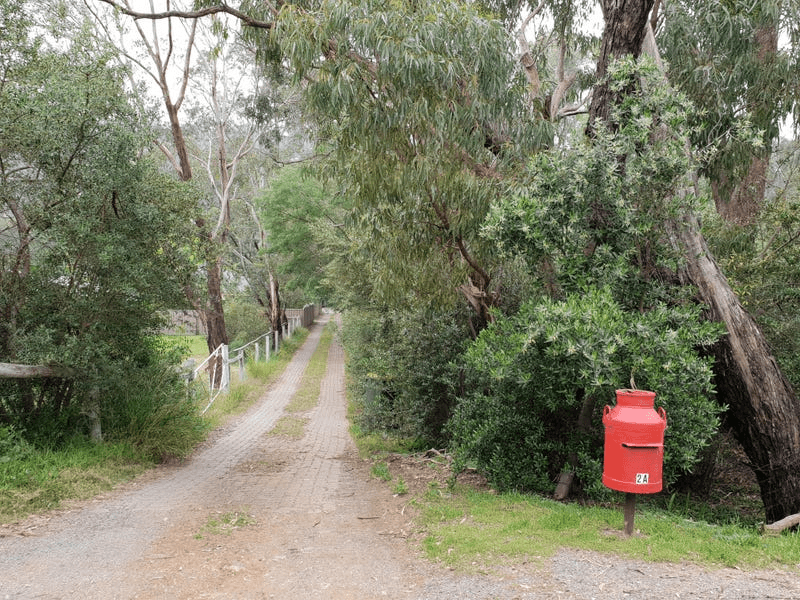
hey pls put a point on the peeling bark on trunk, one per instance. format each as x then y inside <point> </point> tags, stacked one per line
<point>276,313</point>
<point>184,166</point>
<point>214,315</point>
<point>764,410</point>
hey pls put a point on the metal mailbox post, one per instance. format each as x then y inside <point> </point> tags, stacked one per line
<point>634,447</point>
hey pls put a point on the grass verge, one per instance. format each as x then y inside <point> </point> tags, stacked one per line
<point>307,396</point>
<point>472,530</point>
<point>244,393</point>
<point>292,424</point>
<point>464,528</point>
<point>43,480</point>
<point>193,346</point>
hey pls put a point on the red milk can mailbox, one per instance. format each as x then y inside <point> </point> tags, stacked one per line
<point>634,443</point>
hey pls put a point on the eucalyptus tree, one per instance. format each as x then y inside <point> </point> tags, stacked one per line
<point>163,53</point>
<point>206,79</point>
<point>160,46</point>
<point>764,408</point>
<point>726,57</point>
<point>436,85</point>
<point>419,114</point>
<point>225,145</point>
<point>293,208</point>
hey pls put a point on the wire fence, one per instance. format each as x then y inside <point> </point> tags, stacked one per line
<point>212,377</point>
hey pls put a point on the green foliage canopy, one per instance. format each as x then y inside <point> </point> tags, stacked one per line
<point>421,105</point>
<point>530,374</point>
<point>591,225</point>
<point>292,210</point>
<point>95,240</point>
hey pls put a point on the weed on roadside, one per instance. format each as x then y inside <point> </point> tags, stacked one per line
<point>380,470</point>
<point>225,523</point>
<point>289,426</point>
<point>42,480</point>
<point>400,487</point>
<point>307,396</point>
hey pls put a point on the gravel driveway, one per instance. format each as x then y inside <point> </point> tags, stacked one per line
<point>315,526</point>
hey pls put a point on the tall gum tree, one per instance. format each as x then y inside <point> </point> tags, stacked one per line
<point>726,57</point>
<point>419,114</point>
<point>170,55</point>
<point>763,408</point>
<point>240,118</point>
<point>167,48</point>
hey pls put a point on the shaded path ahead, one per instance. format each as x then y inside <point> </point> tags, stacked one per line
<point>320,527</point>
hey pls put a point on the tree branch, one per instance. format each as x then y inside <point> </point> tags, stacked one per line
<point>169,155</point>
<point>193,14</point>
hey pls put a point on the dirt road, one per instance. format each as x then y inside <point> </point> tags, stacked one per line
<point>313,524</point>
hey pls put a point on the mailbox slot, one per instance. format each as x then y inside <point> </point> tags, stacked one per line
<point>644,446</point>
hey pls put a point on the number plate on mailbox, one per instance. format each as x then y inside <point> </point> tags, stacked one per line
<point>642,478</point>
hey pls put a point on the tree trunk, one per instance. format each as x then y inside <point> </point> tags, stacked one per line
<point>624,32</point>
<point>15,278</point>
<point>739,203</point>
<point>763,409</point>
<point>185,167</point>
<point>215,320</point>
<point>276,314</point>
<point>216,333</point>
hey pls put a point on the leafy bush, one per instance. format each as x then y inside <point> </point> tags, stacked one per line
<point>244,321</point>
<point>103,237</point>
<point>405,367</point>
<point>762,263</point>
<point>12,445</point>
<point>529,375</point>
<point>592,224</point>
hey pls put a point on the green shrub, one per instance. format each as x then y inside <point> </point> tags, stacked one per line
<point>762,263</point>
<point>405,369</point>
<point>12,445</point>
<point>244,321</point>
<point>154,413</point>
<point>529,375</point>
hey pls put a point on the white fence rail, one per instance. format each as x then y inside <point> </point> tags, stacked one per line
<point>218,364</point>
